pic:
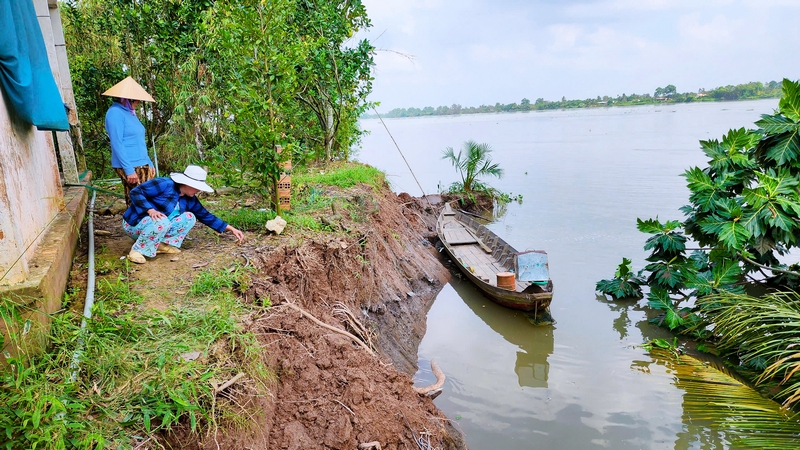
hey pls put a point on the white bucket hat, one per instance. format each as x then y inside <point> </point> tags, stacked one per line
<point>193,176</point>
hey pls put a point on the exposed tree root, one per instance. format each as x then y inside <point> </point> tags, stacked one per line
<point>328,327</point>
<point>439,380</point>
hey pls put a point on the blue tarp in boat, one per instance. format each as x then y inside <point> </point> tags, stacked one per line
<point>532,266</point>
<point>25,75</point>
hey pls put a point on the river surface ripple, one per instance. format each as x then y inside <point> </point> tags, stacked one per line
<point>585,177</point>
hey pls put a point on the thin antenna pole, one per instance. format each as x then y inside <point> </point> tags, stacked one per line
<point>155,155</point>
<point>424,195</point>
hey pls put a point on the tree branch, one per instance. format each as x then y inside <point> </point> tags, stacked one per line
<point>773,269</point>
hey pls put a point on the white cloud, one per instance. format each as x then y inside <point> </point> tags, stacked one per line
<point>703,32</point>
<point>477,51</point>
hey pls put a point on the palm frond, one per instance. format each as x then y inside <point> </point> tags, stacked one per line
<point>767,327</point>
<point>473,161</point>
<point>714,396</point>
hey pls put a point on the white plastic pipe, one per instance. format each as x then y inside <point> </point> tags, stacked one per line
<point>87,308</point>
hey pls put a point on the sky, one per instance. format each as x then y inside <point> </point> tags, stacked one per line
<point>473,52</point>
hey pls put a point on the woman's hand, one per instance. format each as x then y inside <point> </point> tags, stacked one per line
<point>133,178</point>
<point>155,215</point>
<point>239,235</point>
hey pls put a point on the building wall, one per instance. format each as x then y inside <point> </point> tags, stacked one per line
<point>30,186</point>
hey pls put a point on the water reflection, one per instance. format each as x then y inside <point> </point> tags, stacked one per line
<point>623,322</point>
<point>535,342</point>
<point>583,383</point>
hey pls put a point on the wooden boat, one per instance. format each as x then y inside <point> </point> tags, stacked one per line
<point>481,255</point>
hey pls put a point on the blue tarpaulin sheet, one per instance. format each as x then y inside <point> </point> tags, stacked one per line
<point>532,266</point>
<point>25,75</point>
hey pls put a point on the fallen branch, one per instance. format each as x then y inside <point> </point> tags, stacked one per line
<point>328,327</point>
<point>228,383</point>
<point>439,380</point>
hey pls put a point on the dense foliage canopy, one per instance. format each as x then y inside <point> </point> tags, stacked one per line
<point>232,79</point>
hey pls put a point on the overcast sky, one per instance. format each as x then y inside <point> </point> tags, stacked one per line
<point>472,52</point>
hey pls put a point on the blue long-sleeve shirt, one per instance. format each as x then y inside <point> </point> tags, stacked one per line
<point>162,194</point>
<point>126,133</point>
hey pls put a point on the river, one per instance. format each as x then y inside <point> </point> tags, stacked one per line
<point>585,177</point>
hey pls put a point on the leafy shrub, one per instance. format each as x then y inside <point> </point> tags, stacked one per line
<point>625,284</point>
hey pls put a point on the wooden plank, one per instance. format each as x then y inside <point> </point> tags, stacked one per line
<point>480,242</point>
<point>68,165</point>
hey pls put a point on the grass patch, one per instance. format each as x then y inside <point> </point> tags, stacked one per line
<point>342,175</point>
<point>307,222</point>
<point>134,377</point>
<point>209,283</point>
<point>245,219</point>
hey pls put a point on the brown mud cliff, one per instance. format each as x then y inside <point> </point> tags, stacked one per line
<point>375,281</point>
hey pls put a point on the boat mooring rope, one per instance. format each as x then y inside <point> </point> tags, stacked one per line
<point>424,195</point>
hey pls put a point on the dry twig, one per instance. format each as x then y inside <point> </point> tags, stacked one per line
<point>228,383</point>
<point>355,324</point>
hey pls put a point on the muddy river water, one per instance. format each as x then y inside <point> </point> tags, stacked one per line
<point>585,176</point>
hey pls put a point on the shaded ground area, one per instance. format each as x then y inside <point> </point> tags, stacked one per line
<point>375,277</point>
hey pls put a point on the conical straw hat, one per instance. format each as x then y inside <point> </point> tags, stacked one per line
<point>130,89</point>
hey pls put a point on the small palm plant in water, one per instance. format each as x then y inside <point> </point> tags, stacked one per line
<point>473,161</point>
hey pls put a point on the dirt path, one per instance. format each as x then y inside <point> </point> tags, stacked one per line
<point>375,278</point>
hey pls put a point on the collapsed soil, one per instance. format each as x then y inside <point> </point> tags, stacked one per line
<point>375,277</point>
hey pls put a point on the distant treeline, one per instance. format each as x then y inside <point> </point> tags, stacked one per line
<point>668,94</point>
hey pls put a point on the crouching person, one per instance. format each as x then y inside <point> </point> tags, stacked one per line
<point>163,210</point>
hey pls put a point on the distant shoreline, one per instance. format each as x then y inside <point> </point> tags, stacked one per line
<point>662,96</point>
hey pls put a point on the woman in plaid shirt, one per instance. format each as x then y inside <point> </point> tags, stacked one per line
<point>163,210</point>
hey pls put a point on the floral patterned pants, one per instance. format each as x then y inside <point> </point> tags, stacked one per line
<point>169,230</point>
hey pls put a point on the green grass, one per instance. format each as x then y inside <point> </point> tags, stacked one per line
<point>132,379</point>
<point>246,219</point>
<point>305,221</point>
<point>344,176</point>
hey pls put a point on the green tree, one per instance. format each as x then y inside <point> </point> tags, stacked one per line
<point>253,54</point>
<point>152,41</point>
<point>472,162</point>
<point>335,79</point>
<point>744,210</point>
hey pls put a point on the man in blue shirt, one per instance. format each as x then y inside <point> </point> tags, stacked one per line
<point>163,210</point>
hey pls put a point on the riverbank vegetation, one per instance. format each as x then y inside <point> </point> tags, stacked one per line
<point>744,215</point>
<point>200,349</point>
<point>132,368</point>
<point>474,162</point>
<point>232,80</point>
<point>665,95</point>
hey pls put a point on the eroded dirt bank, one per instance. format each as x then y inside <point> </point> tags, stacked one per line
<point>384,274</point>
<point>376,279</point>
